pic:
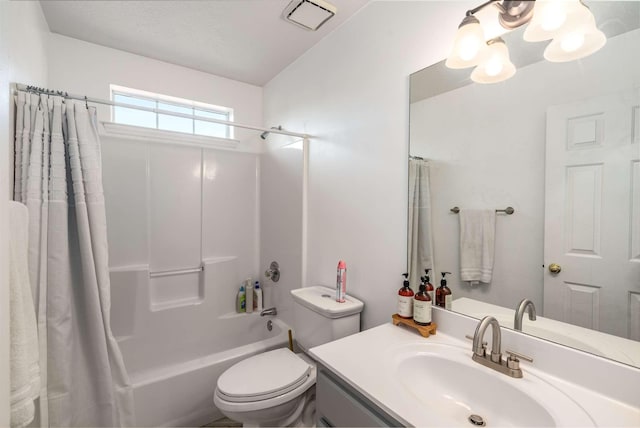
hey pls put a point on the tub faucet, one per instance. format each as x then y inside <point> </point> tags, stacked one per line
<point>269,311</point>
<point>527,305</point>
<point>510,366</point>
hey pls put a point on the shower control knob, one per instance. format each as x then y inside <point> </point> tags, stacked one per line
<point>273,273</point>
<point>555,268</point>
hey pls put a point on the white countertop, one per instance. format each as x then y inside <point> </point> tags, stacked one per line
<point>363,361</point>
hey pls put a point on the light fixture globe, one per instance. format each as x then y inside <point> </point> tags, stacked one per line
<point>496,65</point>
<point>469,44</point>
<point>553,17</point>
<point>576,43</point>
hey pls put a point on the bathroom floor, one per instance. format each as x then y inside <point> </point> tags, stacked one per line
<point>223,422</point>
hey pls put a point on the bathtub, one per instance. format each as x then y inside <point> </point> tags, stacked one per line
<point>179,333</point>
<point>181,394</point>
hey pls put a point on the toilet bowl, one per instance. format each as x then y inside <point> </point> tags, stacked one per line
<point>277,388</point>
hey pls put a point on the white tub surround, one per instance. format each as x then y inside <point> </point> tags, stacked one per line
<point>175,346</point>
<point>603,389</point>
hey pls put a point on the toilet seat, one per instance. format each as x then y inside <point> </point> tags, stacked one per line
<point>264,376</point>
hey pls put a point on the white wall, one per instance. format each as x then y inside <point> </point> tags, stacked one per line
<point>352,91</point>
<point>23,59</point>
<point>281,224</point>
<point>487,149</point>
<point>83,68</point>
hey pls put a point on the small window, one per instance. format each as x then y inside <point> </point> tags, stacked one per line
<point>188,125</point>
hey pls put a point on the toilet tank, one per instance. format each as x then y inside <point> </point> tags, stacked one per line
<point>318,318</point>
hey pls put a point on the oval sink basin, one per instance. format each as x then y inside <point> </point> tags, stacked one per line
<point>453,387</point>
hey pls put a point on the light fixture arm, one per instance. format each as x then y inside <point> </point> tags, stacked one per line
<point>477,9</point>
<point>512,13</point>
<point>500,7</point>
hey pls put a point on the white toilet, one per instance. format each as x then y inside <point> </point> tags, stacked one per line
<point>277,388</point>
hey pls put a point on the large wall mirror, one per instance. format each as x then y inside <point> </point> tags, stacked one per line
<point>560,143</point>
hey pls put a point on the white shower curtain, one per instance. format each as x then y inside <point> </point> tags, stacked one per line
<point>58,176</point>
<point>419,236</point>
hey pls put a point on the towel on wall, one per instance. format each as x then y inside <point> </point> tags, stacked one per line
<point>477,242</point>
<point>24,357</point>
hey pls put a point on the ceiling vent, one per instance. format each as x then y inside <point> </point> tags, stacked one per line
<point>309,14</point>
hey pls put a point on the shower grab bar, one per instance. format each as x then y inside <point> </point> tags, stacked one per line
<point>508,210</point>
<point>175,272</point>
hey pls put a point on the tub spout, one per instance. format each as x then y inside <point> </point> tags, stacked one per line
<point>269,311</point>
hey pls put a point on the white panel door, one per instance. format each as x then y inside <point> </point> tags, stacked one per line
<point>592,213</point>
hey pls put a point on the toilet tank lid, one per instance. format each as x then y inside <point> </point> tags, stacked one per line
<point>322,300</point>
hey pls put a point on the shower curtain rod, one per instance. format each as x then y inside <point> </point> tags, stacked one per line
<point>22,87</point>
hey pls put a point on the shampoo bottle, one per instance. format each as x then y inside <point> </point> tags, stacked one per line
<point>258,297</point>
<point>405,299</point>
<point>249,295</point>
<point>443,293</point>
<point>429,286</point>
<point>241,300</point>
<point>422,306</point>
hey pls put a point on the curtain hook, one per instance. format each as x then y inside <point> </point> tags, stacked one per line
<point>86,102</point>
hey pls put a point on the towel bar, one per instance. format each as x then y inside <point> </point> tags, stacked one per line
<point>508,210</point>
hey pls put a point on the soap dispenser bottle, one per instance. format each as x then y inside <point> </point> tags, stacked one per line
<point>443,293</point>
<point>422,306</point>
<point>429,286</point>
<point>405,299</point>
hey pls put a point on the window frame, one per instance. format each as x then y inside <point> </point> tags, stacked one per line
<point>194,106</point>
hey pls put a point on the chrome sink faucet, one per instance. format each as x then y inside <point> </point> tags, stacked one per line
<point>525,304</point>
<point>510,366</point>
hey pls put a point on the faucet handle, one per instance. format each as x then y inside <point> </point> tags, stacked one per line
<point>467,336</point>
<point>513,356</point>
<point>484,344</point>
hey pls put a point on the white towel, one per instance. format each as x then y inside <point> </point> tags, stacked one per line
<point>477,242</point>
<point>24,358</point>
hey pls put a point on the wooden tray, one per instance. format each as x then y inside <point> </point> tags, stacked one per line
<point>424,330</point>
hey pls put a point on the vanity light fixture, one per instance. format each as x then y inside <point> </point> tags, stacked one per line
<point>552,17</point>
<point>469,44</point>
<point>577,42</point>
<point>569,23</point>
<point>496,65</point>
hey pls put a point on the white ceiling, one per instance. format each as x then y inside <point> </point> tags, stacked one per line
<point>245,40</point>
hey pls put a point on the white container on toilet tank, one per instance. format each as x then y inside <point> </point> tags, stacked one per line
<point>319,319</point>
